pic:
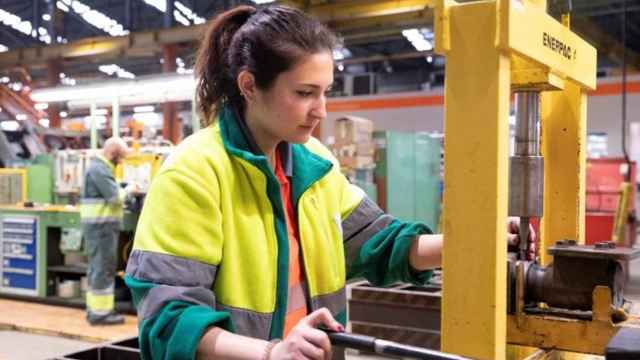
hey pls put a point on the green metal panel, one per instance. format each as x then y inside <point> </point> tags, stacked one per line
<point>40,179</point>
<point>408,166</point>
<point>40,184</point>
<point>401,172</point>
<point>427,205</point>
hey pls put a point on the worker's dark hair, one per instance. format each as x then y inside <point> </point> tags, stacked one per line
<point>265,42</point>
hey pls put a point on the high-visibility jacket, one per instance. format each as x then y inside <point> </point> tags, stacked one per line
<point>211,245</point>
<point>102,199</point>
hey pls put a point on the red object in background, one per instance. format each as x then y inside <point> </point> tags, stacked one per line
<point>604,178</point>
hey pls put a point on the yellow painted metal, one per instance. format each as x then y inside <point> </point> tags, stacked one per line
<point>564,131</point>
<point>23,178</point>
<point>561,333</point>
<point>365,8</point>
<point>622,214</point>
<point>441,25</point>
<point>528,30</point>
<point>584,336</point>
<point>476,182</point>
<point>526,74</point>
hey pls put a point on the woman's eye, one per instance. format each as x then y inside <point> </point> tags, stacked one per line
<point>304,93</point>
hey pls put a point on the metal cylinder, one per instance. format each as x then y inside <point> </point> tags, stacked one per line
<point>526,181</point>
<point>568,283</point>
<point>527,106</point>
<point>526,186</point>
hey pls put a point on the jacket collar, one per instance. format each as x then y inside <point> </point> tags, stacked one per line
<point>106,161</point>
<point>303,166</point>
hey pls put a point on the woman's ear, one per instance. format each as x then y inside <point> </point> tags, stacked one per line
<point>247,85</point>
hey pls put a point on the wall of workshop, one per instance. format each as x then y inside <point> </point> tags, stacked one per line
<point>423,111</point>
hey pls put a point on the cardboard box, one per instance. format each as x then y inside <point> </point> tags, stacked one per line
<point>356,162</point>
<point>351,129</point>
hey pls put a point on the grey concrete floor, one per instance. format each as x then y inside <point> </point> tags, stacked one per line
<point>16,345</point>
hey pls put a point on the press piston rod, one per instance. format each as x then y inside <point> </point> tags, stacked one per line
<point>526,166</point>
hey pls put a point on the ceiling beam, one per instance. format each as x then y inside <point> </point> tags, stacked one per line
<point>358,9</point>
<point>131,45</point>
<point>419,18</point>
<point>380,58</point>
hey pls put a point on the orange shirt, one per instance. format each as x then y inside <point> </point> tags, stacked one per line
<point>296,301</point>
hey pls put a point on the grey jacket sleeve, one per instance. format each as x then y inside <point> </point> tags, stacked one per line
<point>106,184</point>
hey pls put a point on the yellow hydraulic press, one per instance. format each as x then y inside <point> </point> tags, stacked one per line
<point>495,50</point>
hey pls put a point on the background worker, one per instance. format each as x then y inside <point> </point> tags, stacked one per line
<point>101,209</point>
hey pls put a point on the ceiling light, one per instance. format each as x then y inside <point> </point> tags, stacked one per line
<point>3,48</point>
<point>44,122</point>
<point>5,80</point>
<point>341,53</point>
<point>101,112</point>
<point>144,109</point>
<point>181,13</point>
<point>46,17</point>
<point>10,125</point>
<point>41,106</point>
<point>21,117</point>
<point>64,114</point>
<point>112,69</point>
<point>419,38</point>
<point>23,26</point>
<point>148,90</point>
<point>93,17</point>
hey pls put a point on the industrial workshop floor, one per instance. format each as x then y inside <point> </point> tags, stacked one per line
<point>30,331</point>
<point>36,331</point>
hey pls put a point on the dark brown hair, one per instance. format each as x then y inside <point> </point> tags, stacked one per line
<point>265,42</point>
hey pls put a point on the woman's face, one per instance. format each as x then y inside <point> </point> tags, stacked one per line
<point>296,102</point>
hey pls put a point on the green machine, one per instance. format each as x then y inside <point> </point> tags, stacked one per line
<point>30,243</point>
<point>41,240</point>
<point>408,175</point>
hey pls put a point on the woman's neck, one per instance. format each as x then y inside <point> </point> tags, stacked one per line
<point>265,141</point>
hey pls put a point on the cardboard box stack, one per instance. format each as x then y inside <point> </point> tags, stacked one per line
<point>355,149</point>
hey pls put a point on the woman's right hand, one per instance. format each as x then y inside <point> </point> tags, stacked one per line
<point>305,341</point>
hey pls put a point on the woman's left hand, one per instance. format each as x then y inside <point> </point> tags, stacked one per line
<point>513,237</point>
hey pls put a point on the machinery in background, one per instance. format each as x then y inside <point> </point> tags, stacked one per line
<point>571,297</point>
<point>40,234</point>
<point>19,145</point>
<point>408,176</point>
<point>13,186</point>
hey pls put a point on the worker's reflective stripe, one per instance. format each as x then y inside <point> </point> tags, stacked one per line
<point>336,302</point>
<point>98,210</point>
<point>249,323</point>
<point>159,295</point>
<point>100,301</point>
<point>119,197</point>
<point>177,279</point>
<point>363,223</point>
<point>170,270</point>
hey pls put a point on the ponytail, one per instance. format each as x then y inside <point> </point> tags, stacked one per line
<point>215,83</point>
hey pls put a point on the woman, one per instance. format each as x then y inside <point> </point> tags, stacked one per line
<point>249,231</point>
